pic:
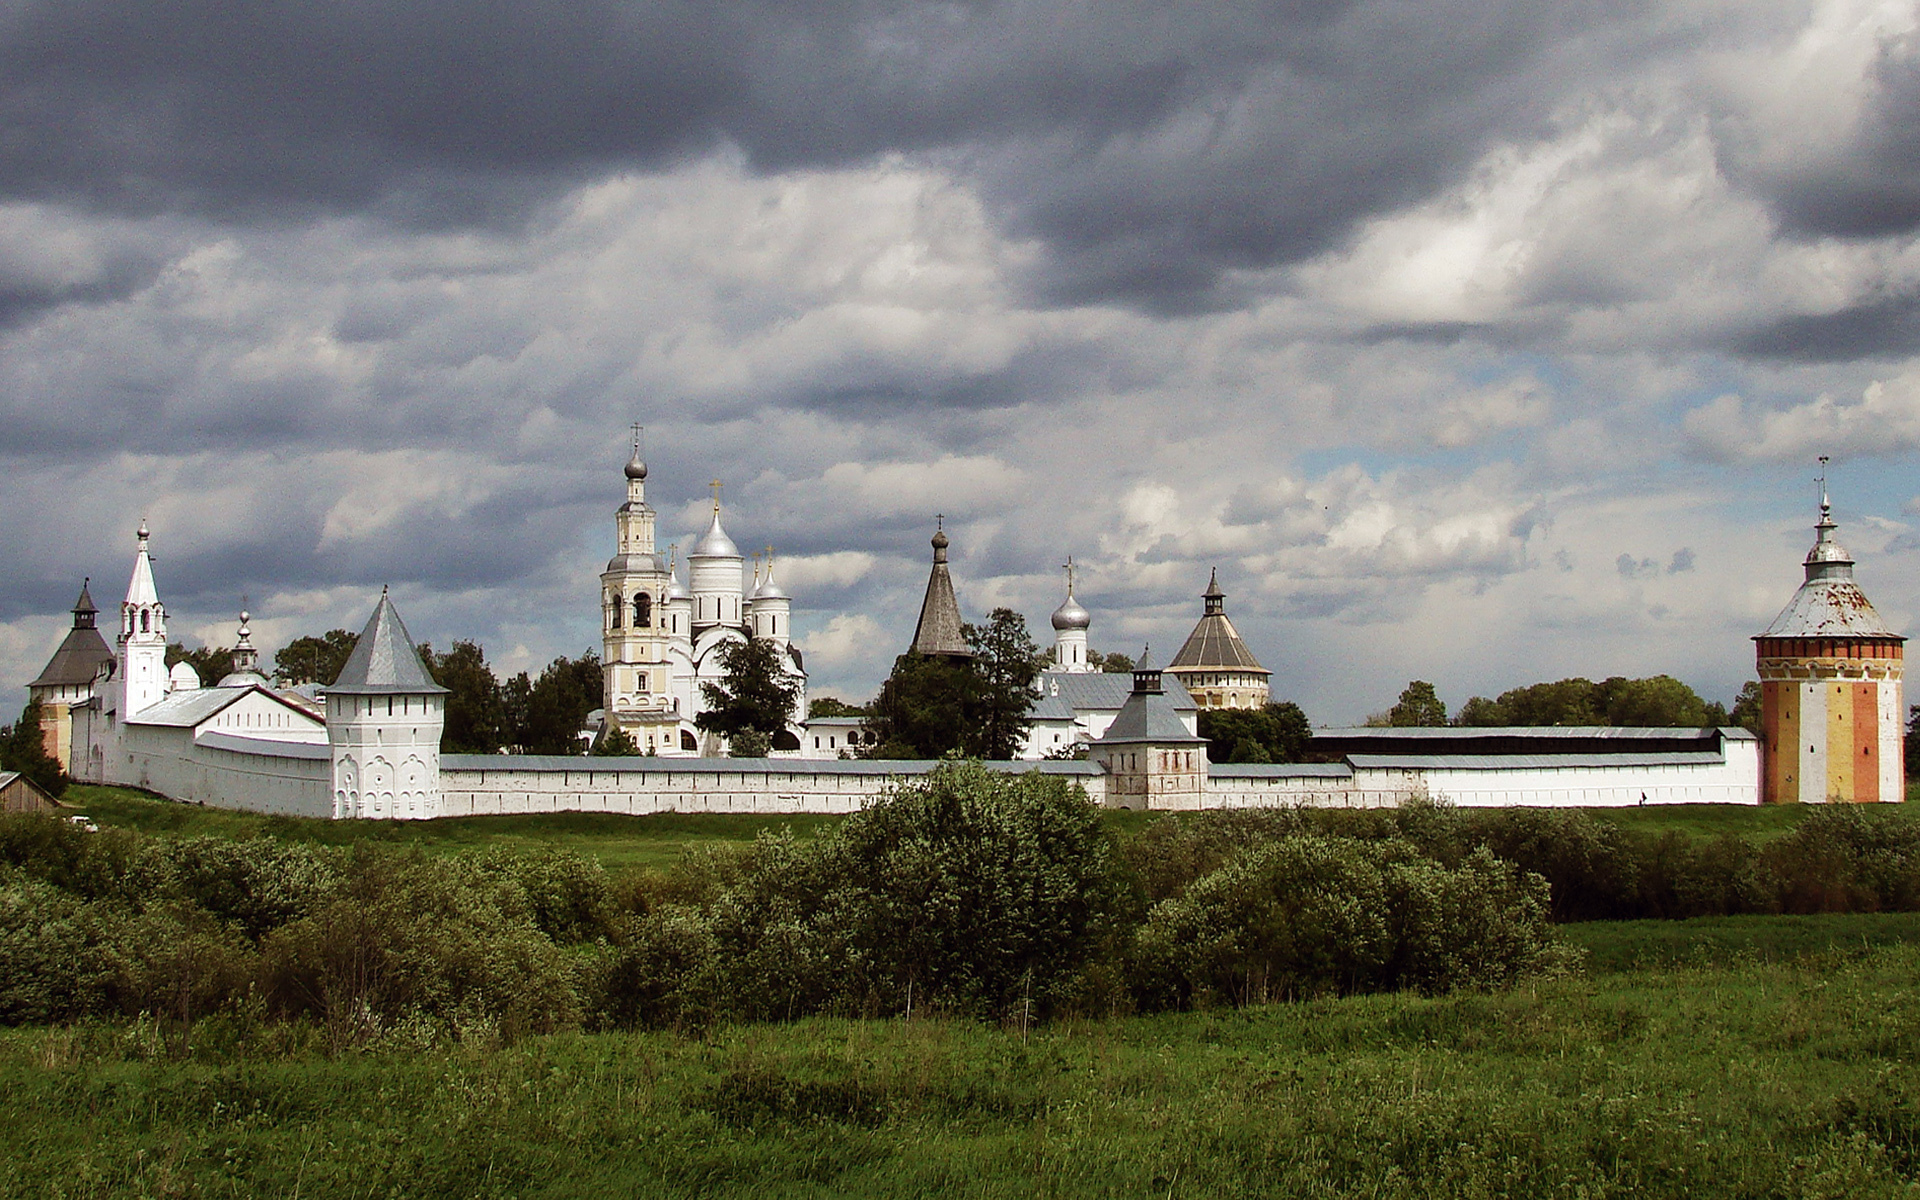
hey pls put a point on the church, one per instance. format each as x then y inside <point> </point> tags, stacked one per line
<point>1831,674</point>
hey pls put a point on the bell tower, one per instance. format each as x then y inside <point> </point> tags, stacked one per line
<point>143,636</point>
<point>635,689</point>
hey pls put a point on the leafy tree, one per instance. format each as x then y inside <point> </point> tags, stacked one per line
<point>749,743</point>
<point>614,742</point>
<point>1913,743</point>
<point>1007,663</point>
<point>1275,732</point>
<point>754,693</point>
<point>1419,705</point>
<point>210,663</point>
<point>476,711</point>
<point>923,708</point>
<point>1659,700</point>
<point>315,659</point>
<point>1746,707</point>
<point>556,704</point>
<point>1113,663</point>
<point>23,748</point>
<point>828,706</point>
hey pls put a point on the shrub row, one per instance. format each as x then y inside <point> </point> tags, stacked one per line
<point>1838,859</point>
<point>996,896</point>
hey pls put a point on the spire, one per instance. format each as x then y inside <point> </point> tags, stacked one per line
<point>83,610</point>
<point>1215,598</point>
<point>245,658</point>
<point>140,589</point>
<point>1828,603</point>
<point>384,661</point>
<point>940,631</point>
<point>636,469</point>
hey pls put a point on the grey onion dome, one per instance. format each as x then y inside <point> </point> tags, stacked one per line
<point>677,590</point>
<point>636,467</point>
<point>716,543</point>
<point>769,590</point>
<point>1071,615</point>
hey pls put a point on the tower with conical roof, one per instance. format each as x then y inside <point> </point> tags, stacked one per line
<point>68,679</point>
<point>1150,759</point>
<point>1070,623</point>
<point>1214,665</point>
<point>142,666</point>
<point>1831,709</point>
<point>941,633</point>
<point>384,718</point>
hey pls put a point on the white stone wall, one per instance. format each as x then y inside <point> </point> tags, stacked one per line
<point>219,769</point>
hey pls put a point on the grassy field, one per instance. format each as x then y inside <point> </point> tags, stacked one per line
<point>656,841</point>
<point>1793,1077</point>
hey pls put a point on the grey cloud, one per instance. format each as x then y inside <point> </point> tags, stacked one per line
<point>1870,186</point>
<point>1632,568</point>
<point>1152,151</point>
<point>1682,561</point>
<point>1883,327</point>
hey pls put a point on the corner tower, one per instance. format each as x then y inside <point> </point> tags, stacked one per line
<point>1830,688</point>
<point>384,719</point>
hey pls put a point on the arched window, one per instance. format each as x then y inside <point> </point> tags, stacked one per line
<point>143,620</point>
<point>642,611</point>
<point>616,610</point>
<point>687,742</point>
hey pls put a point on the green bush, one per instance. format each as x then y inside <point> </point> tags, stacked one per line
<point>54,965</point>
<point>1309,915</point>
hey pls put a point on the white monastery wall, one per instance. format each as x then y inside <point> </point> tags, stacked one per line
<point>256,774</point>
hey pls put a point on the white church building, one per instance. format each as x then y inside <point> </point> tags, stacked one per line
<point>374,751</point>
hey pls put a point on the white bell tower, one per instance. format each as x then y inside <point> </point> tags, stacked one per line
<point>143,637</point>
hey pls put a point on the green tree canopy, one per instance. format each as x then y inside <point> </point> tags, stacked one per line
<point>614,742</point>
<point>829,706</point>
<point>476,710</point>
<point>1418,705</point>
<point>545,715</point>
<point>314,659</point>
<point>1111,663</point>
<point>1007,663</point>
<point>755,694</point>
<point>937,707</point>
<point>210,663</point>
<point>1275,732</point>
<point>23,748</point>
<point>1660,700</point>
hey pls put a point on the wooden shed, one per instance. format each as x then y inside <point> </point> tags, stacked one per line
<point>20,794</point>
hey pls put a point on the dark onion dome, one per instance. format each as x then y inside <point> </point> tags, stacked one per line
<point>636,468</point>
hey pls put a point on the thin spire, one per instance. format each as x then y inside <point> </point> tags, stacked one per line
<point>1826,508</point>
<point>715,485</point>
<point>1069,576</point>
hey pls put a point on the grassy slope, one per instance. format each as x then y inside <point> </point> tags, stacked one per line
<point>1759,1079</point>
<point>621,841</point>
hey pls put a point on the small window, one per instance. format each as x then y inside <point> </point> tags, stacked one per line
<point>617,607</point>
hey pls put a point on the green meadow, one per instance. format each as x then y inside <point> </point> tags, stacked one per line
<point>1740,1056</point>
<point>1742,1075</point>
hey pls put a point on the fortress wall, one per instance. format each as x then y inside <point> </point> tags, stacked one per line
<point>1737,781</point>
<point>253,774</point>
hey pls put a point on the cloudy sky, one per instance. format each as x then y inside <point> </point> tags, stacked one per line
<point>1481,341</point>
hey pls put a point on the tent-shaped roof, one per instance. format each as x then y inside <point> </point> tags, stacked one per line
<point>81,654</point>
<point>1829,603</point>
<point>940,631</point>
<point>384,660</point>
<point>1214,644</point>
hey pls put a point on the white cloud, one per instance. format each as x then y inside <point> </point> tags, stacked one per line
<point>1883,420</point>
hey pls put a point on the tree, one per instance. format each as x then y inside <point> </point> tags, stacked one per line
<point>315,659</point>
<point>1419,705</point>
<point>210,663</point>
<point>828,706</point>
<point>614,742</point>
<point>1659,700</point>
<point>476,720</point>
<point>1007,662</point>
<point>551,710</point>
<point>755,693</point>
<point>1275,732</point>
<point>1746,707</point>
<point>23,748</point>
<point>923,708</point>
<point>1113,663</point>
<point>1913,743</point>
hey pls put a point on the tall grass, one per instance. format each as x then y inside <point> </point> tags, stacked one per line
<point>1787,1078</point>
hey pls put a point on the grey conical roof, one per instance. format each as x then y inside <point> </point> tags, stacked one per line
<point>1215,644</point>
<point>384,661</point>
<point>940,631</point>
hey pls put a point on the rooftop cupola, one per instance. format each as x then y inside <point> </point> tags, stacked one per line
<point>716,567</point>
<point>1216,600</point>
<point>1071,614</point>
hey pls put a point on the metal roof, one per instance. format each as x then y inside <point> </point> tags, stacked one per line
<point>1828,603</point>
<point>749,766</point>
<point>185,709</point>
<point>1532,762</point>
<point>1214,644</point>
<point>1149,717</point>
<point>384,660</point>
<point>940,630</point>
<point>81,655</point>
<point>1337,770</point>
<point>267,746</point>
<point>1108,689</point>
<point>1458,733</point>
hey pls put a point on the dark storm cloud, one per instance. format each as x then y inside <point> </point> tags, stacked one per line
<point>1870,186</point>
<point>1151,148</point>
<point>1883,327</point>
